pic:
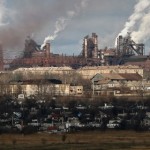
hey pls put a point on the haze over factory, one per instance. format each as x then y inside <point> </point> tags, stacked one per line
<point>83,34</point>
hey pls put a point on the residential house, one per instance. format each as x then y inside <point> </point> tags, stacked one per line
<point>76,90</point>
<point>118,84</point>
<point>114,123</point>
<point>146,120</point>
<point>43,87</point>
<point>73,121</point>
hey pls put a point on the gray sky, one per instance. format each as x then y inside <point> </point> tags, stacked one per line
<point>37,18</point>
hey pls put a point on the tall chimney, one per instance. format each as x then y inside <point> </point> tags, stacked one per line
<point>95,42</point>
<point>47,50</point>
<point>85,53</point>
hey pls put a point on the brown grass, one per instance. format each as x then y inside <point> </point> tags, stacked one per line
<point>118,140</point>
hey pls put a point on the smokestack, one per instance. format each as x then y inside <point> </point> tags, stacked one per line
<point>95,41</point>
<point>47,50</point>
<point>119,45</point>
<point>85,48</point>
<point>62,22</point>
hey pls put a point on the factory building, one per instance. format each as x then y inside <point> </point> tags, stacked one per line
<point>35,56</point>
<point>90,46</point>
<point>127,48</point>
<point>91,55</point>
<point>32,49</point>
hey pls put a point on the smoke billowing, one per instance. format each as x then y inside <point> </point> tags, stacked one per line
<point>2,12</point>
<point>22,18</point>
<point>62,22</point>
<point>139,22</point>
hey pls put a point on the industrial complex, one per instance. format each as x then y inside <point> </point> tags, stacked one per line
<point>125,52</point>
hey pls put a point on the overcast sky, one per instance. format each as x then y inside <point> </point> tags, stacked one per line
<point>38,18</point>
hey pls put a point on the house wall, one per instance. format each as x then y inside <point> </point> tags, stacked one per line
<point>40,71</point>
<point>128,88</point>
<point>76,90</point>
<point>85,72</point>
<point>51,89</point>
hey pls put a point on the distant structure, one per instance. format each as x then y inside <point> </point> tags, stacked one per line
<point>126,48</point>
<point>32,49</point>
<point>125,51</point>
<point>90,46</point>
<point>35,56</point>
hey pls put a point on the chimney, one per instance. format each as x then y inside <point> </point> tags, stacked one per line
<point>85,48</point>
<point>95,42</point>
<point>47,50</point>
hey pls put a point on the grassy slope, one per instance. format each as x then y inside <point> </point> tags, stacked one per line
<point>114,140</point>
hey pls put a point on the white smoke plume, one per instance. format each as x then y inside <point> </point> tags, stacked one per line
<point>139,11</point>
<point>21,18</point>
<point>143,32</point>
<point>141,19</point>
<point>62,22</point>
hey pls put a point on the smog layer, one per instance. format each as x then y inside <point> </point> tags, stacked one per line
<point>68,21</point>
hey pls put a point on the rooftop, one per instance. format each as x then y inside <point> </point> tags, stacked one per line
<point>44,69</point>
<point>110,67</point>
